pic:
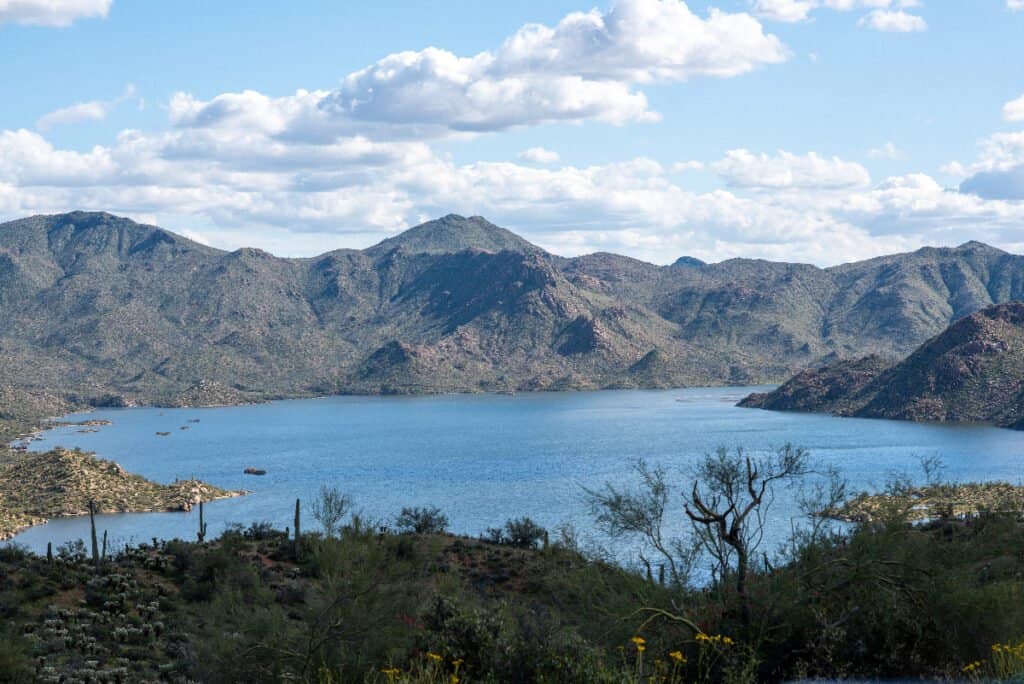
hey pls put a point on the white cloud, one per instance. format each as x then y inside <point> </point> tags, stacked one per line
<point>886,15</point>
<point>95,110</point>
<point>1015,5</point>
<point>539,155</point>
<point>999,171</point>
<point>643,41</point>
<point>692,165</point>
<point>894,21</point>
<point>784,10</point>
<point>27,159</point>
<point>847,5</point>
<point>1014,109</point>
<point>744,169</point>
<point>587,67</point>
<point>886,151</point>
<point>304,198</point>
<point>51,12</point>
<point>998,151</point>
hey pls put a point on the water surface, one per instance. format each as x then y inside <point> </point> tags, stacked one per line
<point>486,458</point>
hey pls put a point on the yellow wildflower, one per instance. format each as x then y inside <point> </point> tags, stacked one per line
<point>677,656</point>
<point>638,640</point>
<point>433,656</point>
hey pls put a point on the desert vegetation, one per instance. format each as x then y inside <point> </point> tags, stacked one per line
<point>344,598</point>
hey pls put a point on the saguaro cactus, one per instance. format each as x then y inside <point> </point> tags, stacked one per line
<point>201,534</point>
<point>297,544</point>
<point>92,530</point>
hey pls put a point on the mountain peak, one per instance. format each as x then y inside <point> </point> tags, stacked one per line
<point>455,233</point>
<point>974,245</point>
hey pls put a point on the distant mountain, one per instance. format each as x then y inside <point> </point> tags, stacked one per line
<point>973,372</point>
<point>106,310</point>
<point>453,233</point>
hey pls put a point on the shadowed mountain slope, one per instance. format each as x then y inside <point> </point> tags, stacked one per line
<point>105,309</point>
<point>973,372</point>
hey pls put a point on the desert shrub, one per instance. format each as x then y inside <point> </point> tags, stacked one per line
<point>13,553</point>
<point>426,520</point>
<point>15,665</point>
<point>260,531</point>
<point>330,509</point>
<point>72,551</point>
<point>523,533</point>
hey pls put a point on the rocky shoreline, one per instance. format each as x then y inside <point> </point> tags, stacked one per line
<point>931,502</point>
<point>37,487</point>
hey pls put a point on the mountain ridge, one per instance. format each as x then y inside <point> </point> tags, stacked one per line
<point>101,307</point>
<point>971,372</point>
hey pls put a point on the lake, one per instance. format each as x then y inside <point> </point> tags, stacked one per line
<point>486,458</point>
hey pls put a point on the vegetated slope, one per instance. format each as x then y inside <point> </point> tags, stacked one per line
<point>110,311</point>
<point>974,371</point>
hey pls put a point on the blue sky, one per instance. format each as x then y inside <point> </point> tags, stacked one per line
<point>805,130</point>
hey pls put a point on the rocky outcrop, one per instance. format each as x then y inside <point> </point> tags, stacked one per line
<point>972,372</point>
<point>35,487</point>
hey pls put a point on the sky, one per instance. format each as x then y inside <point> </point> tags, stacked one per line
<point>819,131</point>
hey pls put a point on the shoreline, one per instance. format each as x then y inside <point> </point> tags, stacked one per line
<point>11,535</point>
<point>37,487</point>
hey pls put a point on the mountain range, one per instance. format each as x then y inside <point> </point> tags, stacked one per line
<point>111,312</point>
<point>972,372</point>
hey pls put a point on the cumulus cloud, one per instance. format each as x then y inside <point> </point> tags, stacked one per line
<point>997,153</point>
<point>1015,5</point>
<point>539,155</point>
<point>894,21</point>
<point>999,171</point>
<point>303,198</point>
<point>1014,109</point>
<point>51,12</point>
<point>94,110</point>
<point>300,196</point>
<point>744,169</point>
<point>587,67</point>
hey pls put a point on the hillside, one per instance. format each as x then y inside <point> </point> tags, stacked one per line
<point>108,311</point>
<point>972,372</point>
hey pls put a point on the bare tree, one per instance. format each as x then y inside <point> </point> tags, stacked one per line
<point>729,503</point>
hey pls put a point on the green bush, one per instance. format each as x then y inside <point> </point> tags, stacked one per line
<point>426,520</point>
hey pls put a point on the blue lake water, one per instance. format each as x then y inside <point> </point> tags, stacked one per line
<point>486,458</point>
